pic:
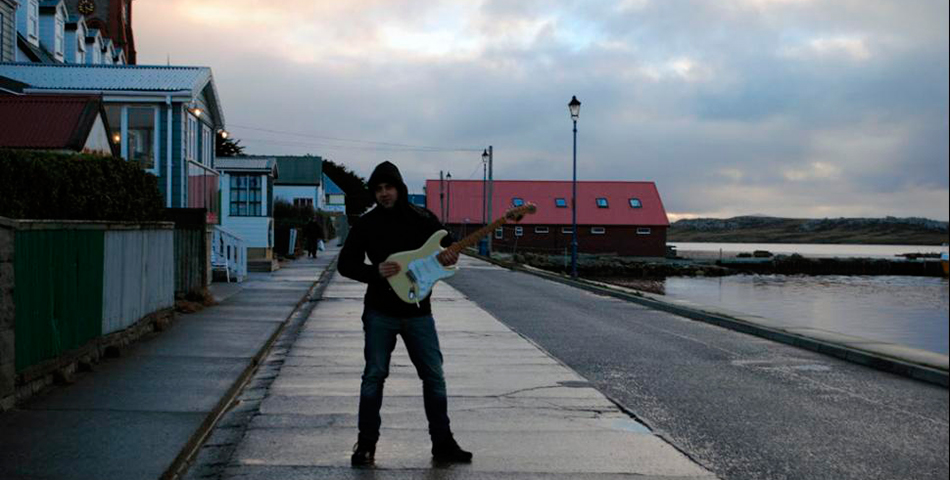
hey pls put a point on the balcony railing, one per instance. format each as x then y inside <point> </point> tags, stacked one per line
<point>227,245</point>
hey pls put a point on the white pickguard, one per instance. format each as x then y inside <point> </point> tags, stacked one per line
<point>425,272</point>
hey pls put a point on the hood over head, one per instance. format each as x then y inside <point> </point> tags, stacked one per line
<point>387,172</point>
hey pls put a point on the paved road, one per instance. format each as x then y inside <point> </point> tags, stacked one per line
<point>523,414</point>
<point>743,407</point>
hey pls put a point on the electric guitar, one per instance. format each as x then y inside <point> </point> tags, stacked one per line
<point>420,269</point>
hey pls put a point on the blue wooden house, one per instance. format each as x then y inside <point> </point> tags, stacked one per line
<point>163,117</point>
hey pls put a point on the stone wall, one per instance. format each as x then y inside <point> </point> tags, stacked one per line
<point>7,320</point>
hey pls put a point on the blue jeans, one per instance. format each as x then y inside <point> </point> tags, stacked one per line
<point>422,342</point>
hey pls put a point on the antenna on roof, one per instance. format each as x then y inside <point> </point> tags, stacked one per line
<point>168,59</point>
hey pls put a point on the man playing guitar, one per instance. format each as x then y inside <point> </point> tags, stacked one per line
<point>395,225</point>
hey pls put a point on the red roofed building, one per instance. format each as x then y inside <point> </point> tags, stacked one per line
<point>55,122</point>
<point>623,218</point>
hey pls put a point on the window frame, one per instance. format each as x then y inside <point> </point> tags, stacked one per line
<point>542,230</point>
<point>560,202</point>
<point>635,199</point>
<point>499,233</point>
<point>59,38</point>
<point>207,145</point>
<point>123,130</point>
<point>33,19</point>
<point>644,231</point>
<point>606,203</point>
<point>519,231</point>
<point>598,231</point>
<point>567,230</point>
<point>249,202</point>
<point>517,202</point>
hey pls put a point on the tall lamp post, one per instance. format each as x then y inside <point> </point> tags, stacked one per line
<point>575,107</point>
<point>484,186</point>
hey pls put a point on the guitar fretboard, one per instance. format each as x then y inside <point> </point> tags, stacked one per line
<point>472,239</point>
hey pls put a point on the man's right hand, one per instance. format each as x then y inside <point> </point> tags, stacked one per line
<point>388,269</point>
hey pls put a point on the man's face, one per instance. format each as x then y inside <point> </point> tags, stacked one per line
<point>386,195</point>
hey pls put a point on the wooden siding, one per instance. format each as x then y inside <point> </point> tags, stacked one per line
<point>8,41</point>
<point>58,292</point>
<point>138,276</point>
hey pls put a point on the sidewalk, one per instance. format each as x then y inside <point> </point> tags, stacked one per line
<point>132,416</point>
<point>522,413</point>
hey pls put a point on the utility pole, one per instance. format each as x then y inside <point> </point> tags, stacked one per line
<point>441,197</point>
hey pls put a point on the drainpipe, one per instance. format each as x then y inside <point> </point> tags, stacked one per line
<point>168,153</point>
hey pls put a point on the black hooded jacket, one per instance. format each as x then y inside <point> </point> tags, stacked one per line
<point>382,232</point>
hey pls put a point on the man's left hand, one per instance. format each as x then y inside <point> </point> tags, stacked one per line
<point>448,258</point>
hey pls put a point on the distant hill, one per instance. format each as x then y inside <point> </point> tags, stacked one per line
<point>759,229</point>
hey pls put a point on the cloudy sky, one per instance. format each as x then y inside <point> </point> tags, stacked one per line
<point>799,108</point>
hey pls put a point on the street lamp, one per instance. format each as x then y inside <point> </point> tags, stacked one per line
<point>484,186</point>
<point>448,198</point>
<point>575,107</point>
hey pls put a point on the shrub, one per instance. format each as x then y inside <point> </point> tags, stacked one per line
<point>57,186</point>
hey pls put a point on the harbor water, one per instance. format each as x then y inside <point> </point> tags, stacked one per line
<point>906,310</point>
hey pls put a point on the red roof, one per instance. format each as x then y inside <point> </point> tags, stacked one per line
<point>53,122</point>
<point>464,198</point>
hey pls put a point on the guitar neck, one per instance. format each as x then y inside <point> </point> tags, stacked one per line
<point>472,239</point>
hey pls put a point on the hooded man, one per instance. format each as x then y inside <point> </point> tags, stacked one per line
<point>395,225</point>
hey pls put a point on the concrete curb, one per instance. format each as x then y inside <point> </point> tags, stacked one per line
<point>188,453</point>
<point>913,363</point>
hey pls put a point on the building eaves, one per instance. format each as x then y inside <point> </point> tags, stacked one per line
<point>12,86</point>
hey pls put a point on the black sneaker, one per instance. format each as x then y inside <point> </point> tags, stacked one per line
<point>363,455</point>
<point>448,451</point>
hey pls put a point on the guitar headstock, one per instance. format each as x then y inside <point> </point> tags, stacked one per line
<point>517,213</point>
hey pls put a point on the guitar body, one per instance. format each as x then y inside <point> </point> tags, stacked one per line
<point>419,270</point>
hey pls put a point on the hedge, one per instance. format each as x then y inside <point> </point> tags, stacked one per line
<point>56,186</point>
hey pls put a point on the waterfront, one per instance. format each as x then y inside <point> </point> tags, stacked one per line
<point>911,311</point>
<point>710,250</point>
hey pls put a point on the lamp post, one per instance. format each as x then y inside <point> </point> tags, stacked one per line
<point>575,108</point>
<point>448,199</point>
<point>484,186</point>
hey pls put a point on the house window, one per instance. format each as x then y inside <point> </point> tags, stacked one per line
<point>191,138</point>
<point>80,48</point>
<point>519,231</point>
<point>635,203</point>
<point>303,202</point>
<point>499,233</point>
<point>540,229</point>
<point>133,129</point>
<point>207,145</point>
<point>560,202</point>
<point>598,230</point>
<point>601,202</point>
<point>643,231</point>
<point>517,201</point>
<point>33,19</point>
<point>567,230</point>
<point>60,43</point>
<point>246,195</point>
<point>141,135</point>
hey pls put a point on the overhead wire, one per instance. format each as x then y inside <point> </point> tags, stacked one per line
<point>379,146</point>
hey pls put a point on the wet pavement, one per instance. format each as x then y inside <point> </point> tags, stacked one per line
<point>521,412</point>
<point>132,416</point>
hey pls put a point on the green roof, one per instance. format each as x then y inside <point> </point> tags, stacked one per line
<point>299,170</point>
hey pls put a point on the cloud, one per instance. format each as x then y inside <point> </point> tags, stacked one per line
<point>847,47</point>
<point>751,106</point>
